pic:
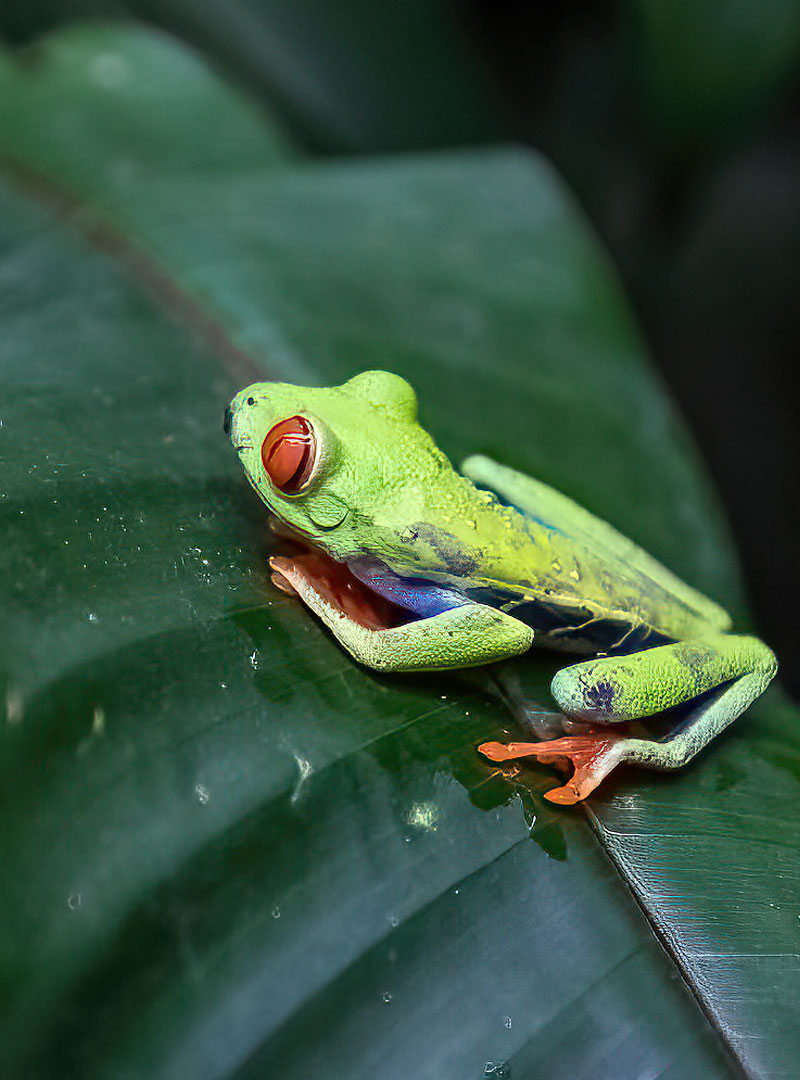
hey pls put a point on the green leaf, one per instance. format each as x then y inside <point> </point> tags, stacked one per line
<point>229,850</point>
<point>100,92</point>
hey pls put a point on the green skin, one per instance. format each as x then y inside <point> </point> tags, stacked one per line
<point>381,490</point>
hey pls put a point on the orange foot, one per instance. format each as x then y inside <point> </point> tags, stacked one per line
<point>593,756</point>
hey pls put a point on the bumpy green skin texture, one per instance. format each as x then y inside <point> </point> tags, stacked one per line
<point>381,488</point>
<point>653,680</point>
<point>462,637</point>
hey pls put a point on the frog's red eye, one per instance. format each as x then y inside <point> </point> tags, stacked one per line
<point>289,452</point>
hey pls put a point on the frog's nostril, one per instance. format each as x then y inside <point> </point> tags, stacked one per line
<point>226,423</point>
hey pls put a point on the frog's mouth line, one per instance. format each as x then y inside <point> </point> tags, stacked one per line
<point>332,581</point>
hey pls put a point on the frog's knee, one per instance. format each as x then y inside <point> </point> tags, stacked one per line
<point>596,696</point>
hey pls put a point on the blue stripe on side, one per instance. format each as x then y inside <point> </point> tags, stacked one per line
<point>423,598</point>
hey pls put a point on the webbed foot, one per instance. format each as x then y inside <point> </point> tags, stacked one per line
<point>593,758</point>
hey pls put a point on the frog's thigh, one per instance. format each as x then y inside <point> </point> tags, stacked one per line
<point>628,687</point>
<point>461,637</point>
<point>617,688</point>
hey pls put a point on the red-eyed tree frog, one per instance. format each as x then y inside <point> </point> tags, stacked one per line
<point>414,566</point>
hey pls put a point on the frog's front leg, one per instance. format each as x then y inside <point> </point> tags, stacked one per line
<point>724,672</point>
<point>463,636</point>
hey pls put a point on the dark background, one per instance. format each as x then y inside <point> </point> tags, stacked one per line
<point>675,122</point>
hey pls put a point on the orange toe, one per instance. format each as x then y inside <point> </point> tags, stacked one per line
<point>497,751</point>
<point>564,796</point>
<point>592,757</point>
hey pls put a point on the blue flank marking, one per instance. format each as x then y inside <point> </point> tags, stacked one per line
<point>540,521</point>
<point>421,597</point>
<point>424,600</point>
<point>525,513</point>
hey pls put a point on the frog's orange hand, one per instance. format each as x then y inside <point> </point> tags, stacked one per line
<point>593,756</point>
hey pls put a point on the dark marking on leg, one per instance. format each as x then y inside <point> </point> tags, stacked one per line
<point>600,697</point>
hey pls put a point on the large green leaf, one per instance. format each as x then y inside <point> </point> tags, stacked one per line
<point>229,850</point>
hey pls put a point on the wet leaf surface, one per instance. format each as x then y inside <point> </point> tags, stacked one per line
<point>233,852</point>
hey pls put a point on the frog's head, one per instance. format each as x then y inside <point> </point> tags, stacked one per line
<point>318,456</point>
<point>346,470</point>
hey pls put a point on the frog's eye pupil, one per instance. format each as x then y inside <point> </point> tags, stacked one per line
<point>288,453</point>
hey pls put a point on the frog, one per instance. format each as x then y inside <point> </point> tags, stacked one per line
<point>415,566</point>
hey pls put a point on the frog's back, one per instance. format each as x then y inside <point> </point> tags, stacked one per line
<point>583,582</point>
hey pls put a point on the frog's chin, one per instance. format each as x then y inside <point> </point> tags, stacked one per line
<point>312,571</point>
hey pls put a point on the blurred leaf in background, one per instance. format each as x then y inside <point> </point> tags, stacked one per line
<point>353,75</point>
<point>711,69</point>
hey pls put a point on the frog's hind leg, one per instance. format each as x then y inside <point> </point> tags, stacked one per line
<point>724,672</point>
